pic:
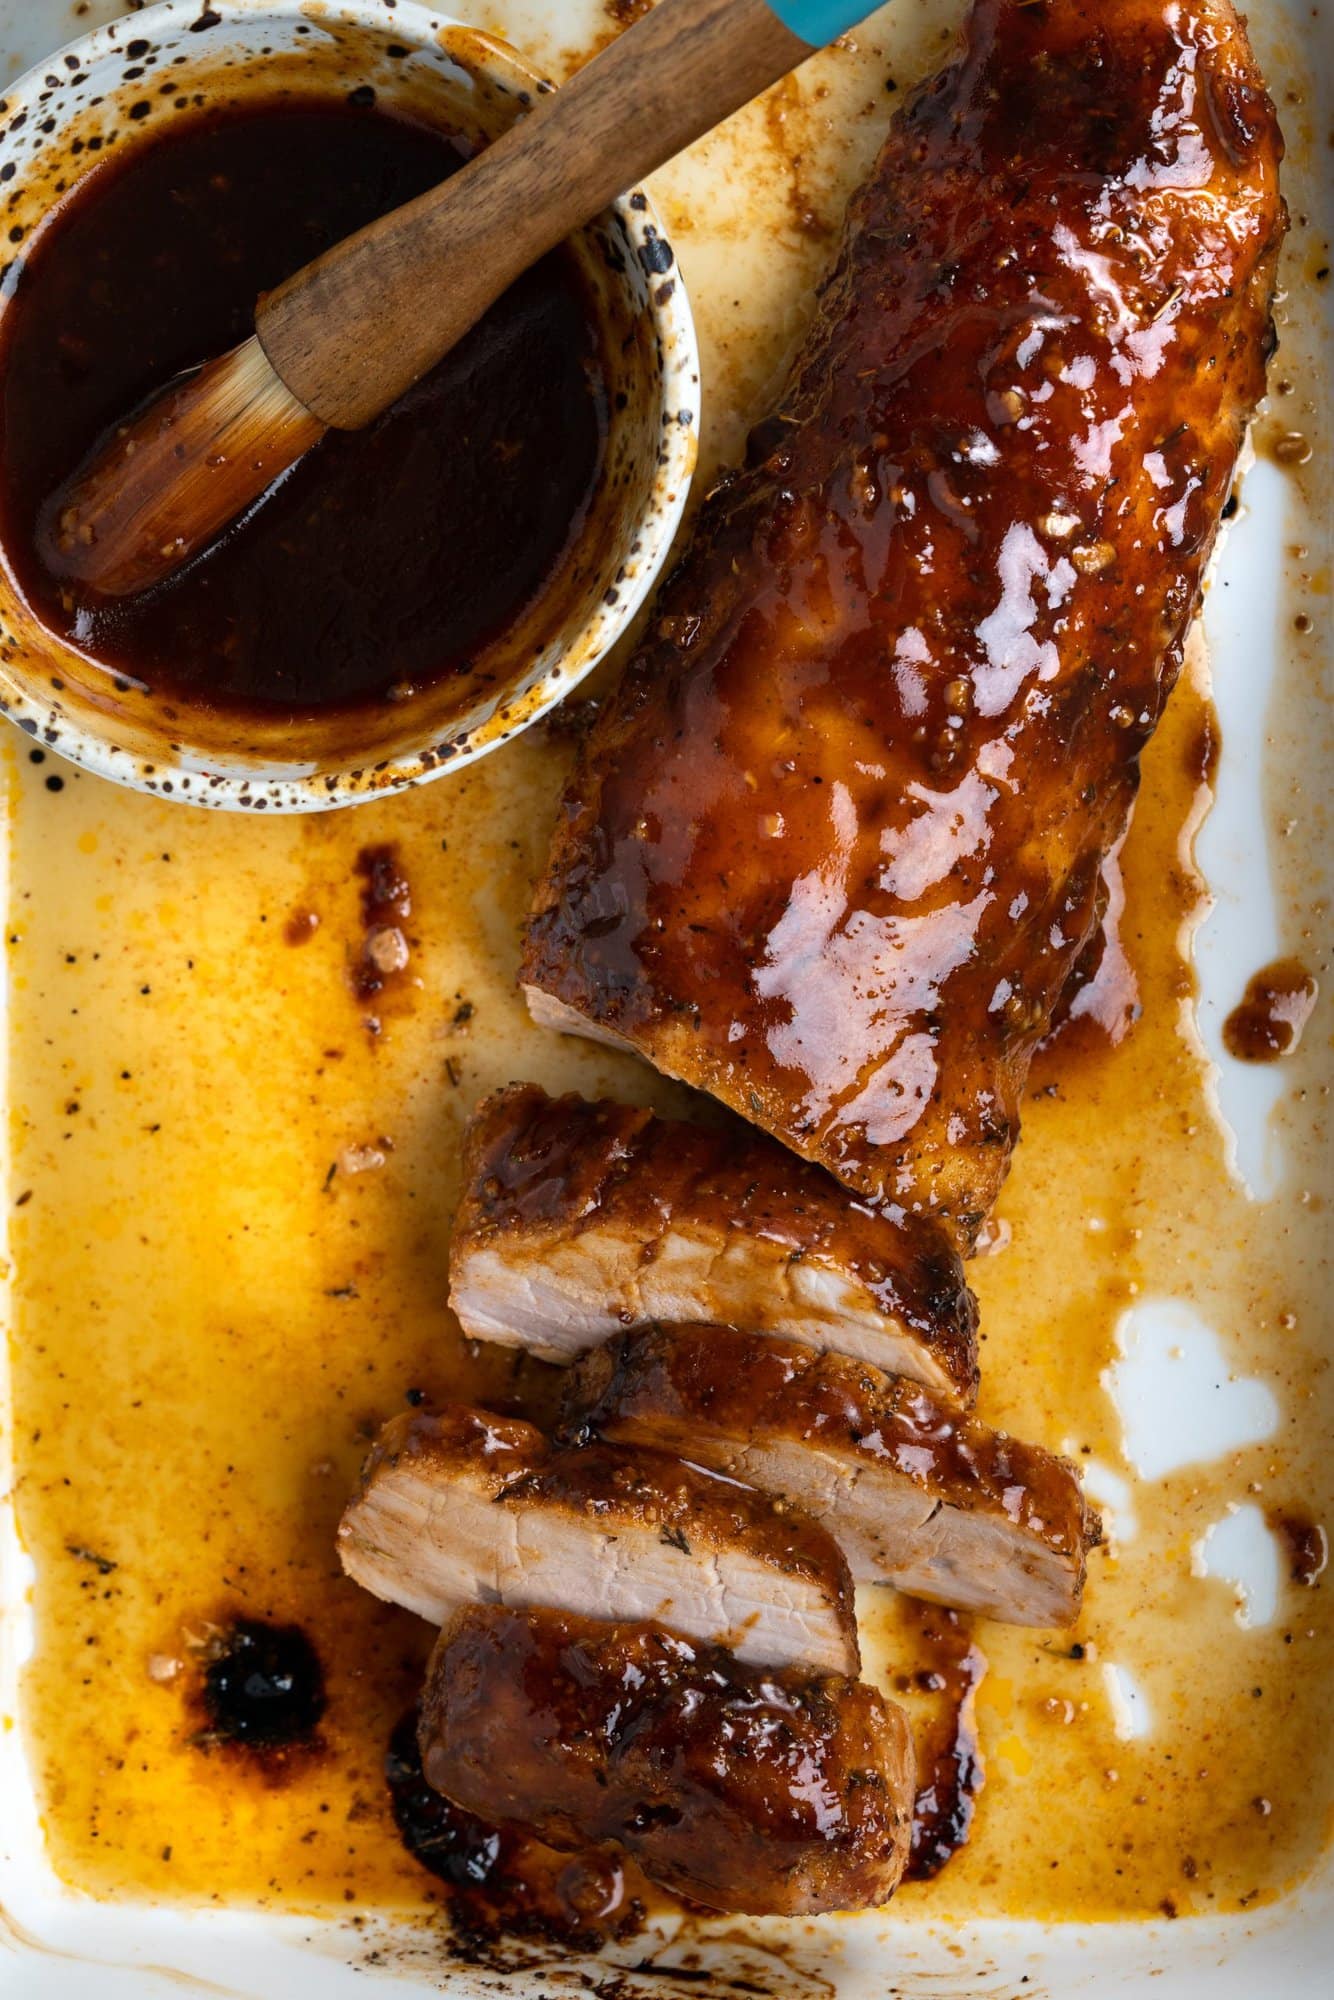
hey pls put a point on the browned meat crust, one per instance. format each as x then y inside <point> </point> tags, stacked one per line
<point>917,1494</point>
<point>578,1219</point>
<point>458,1507</point>
<point>833,849</point>
<point>769,1793</point>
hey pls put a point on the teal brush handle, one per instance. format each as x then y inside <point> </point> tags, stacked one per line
<point>820,21</point>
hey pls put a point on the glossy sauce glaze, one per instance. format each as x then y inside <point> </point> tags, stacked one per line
<point>147,955</point>
<point>389,558</point>
<point>837,841</point>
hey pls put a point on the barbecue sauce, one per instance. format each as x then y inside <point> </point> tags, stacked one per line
<point>389,558</point>
<point>1304,1543</point>
<point>385,955</point>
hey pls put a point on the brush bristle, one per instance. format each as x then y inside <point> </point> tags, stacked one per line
<point>165,484</point>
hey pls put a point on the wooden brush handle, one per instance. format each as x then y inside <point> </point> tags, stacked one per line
<point>350,332</point>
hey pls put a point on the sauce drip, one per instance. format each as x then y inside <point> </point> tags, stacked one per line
<point>389,558</point>
<point>1101,1000</point>
<point>1268,1021</point>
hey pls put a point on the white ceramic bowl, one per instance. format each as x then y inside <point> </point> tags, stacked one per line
<point>447,73</point>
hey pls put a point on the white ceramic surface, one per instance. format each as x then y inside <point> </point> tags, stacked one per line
<point>58,1947</point>
<point>109,725</point>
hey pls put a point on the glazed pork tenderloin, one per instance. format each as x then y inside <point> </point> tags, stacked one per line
<point>835,844</point>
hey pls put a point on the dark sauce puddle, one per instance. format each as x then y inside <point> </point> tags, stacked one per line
<point>389,558</point>
<point>502,1882</point>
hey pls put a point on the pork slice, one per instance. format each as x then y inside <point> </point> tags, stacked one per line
<point>919,1495</point>
<point>748,1789</point>
<point>457,1507</point>
<point>578,1219</point>
<point>424,1530</point>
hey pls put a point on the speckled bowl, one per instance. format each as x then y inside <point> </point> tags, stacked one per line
<point>57,123</point>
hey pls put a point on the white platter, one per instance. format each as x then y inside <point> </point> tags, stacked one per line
<point>55,1945</point>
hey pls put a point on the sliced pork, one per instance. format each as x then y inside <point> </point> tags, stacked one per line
<point>459,1507</point>
<point>771,1793</point>
<point>917,1494</point>
<point>578,1219</point>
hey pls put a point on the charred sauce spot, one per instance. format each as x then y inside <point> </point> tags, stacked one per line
<point>501,1881</point>
<point>1269,1019</point>
<point>301,926</point>
<point>386,905</point>
<point>949,1765</point>
<point>261,1691</point>
<point>1304,1543</point>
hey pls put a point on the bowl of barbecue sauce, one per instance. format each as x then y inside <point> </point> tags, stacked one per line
<point>409,595</point>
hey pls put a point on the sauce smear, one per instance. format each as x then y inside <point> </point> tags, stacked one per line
<point>1304,1542</point>
<point>388,558</point>
<point>1268,1021</point>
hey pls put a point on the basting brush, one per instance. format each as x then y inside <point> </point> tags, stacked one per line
<point>348,334</point>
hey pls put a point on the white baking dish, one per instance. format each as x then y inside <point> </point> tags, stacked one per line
<point>55,1945</point>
